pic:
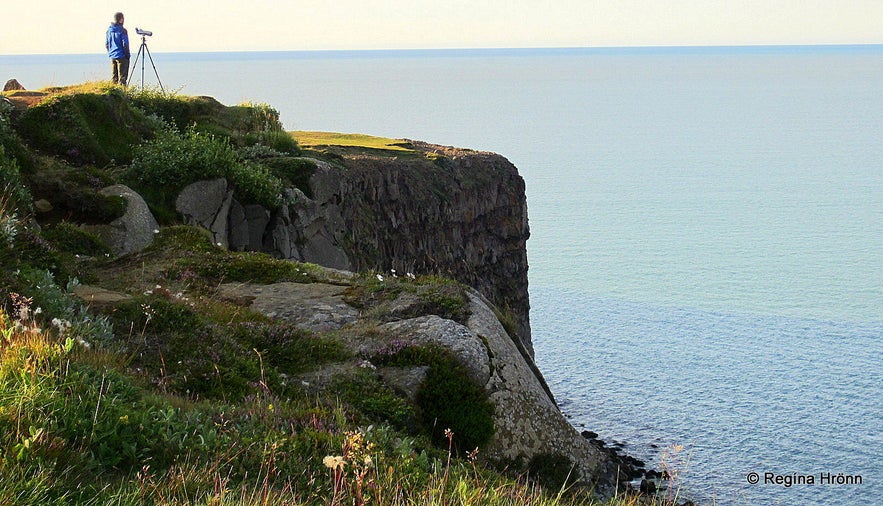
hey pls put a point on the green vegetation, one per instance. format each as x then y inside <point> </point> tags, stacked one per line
<point>168,394</point>
<point>448,398</point>
<point>244,125</point>
<point>93,127</point>
<point>73,192</point>
<point>376,402</point>
<point>69,238</point>
<point>171,161</point>
<point>427,294</point>
<point>554,471</point>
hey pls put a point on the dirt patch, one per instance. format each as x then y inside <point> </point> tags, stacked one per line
<point>23,99</point>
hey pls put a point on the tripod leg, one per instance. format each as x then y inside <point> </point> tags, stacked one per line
<point>135,65</point>
<point>143,45</point>
<point>154,68</point>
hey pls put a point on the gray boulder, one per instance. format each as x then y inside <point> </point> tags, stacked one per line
<point>460,340</point>
<point>318,307</point>
<point>133,231</point>
<point>207,204</point>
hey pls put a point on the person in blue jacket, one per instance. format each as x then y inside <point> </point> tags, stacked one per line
<point>117,44</point>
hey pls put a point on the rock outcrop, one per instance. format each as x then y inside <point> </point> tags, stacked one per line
<point>527,422</point>
<point>434,210</point>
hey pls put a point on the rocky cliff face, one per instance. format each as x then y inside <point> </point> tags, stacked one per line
<point>431,210</point>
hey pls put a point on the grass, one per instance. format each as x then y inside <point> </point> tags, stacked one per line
<point>314,139</point>
<point>80,425</point>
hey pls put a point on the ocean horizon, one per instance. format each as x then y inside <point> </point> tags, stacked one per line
<point>706,258</point>
<point>495,51</point>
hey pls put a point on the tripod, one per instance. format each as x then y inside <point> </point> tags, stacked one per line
<point>143,50</point>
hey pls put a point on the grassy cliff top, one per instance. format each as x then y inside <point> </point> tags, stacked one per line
<point>319,139</point>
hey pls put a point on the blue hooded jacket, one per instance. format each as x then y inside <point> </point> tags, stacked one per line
<point>117,41</point>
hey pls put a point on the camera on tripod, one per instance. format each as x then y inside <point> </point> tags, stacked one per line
<point>145,33</point>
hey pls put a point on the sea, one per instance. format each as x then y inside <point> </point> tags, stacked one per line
<point>706,251</point>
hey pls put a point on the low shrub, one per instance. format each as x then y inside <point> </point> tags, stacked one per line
<point>171,161</point>
<point>448,397</point>
<point>294,172</point>
<point>10,141</point>
<point>255,184</point>
<point>15,198</point>
<point>58,309</point>
<point>287,348</point>
<point>251,267</point>
<point>30,251</point>
<point>277,140</point>
<point>69,238</point>
<point>553,471</point>
<point>9,219</point>
<point>374,400</point>
<point>432,294</point>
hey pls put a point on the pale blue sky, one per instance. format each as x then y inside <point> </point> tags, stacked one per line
<point>65,26</point>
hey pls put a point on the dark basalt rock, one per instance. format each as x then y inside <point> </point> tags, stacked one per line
<point>13,85</point>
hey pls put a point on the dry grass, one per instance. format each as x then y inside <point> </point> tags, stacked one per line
<point>314,139</point>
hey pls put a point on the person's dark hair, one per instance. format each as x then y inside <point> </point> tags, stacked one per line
<point>118,17</point>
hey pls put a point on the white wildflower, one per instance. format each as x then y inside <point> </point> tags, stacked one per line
<point>379,278</point>
<point>335,462</point>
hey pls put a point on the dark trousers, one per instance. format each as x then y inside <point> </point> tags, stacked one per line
<point>120,68</point>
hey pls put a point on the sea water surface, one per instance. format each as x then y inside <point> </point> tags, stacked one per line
<point>706,259</point>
